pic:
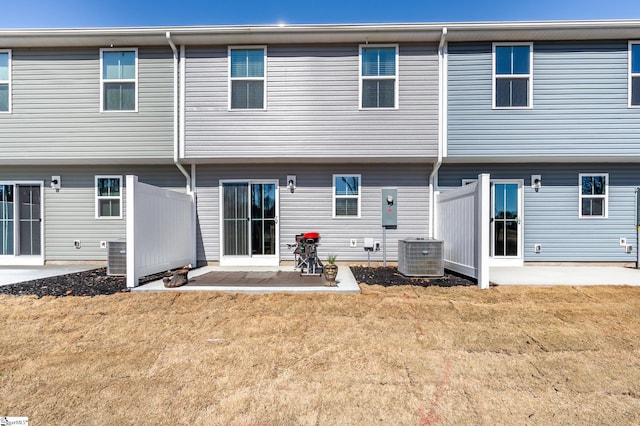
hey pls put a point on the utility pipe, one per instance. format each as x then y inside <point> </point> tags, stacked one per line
<point>442,87</point>
<point>176,138</point>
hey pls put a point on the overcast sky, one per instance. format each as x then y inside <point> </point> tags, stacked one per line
<point>119,13</point>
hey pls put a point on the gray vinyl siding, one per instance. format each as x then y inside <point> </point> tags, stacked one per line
<point>70,213</point>
<point>309,208</point>
<point>56,110</point>
<point>312,107</point>
<point>579,104</point>
<point>550,215</point>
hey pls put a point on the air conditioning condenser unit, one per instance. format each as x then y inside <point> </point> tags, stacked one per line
<point>117,257</point>
<point>420,257</point>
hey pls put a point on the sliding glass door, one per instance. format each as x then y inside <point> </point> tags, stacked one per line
<point>506,222</point>
<point>249,223</point>
<point>20,223</point>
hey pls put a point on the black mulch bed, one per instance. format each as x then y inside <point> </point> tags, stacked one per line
<point>389,276</point>
<point>97,282</point>
<point>89,283</point>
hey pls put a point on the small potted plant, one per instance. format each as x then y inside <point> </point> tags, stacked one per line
<point>331,270</point>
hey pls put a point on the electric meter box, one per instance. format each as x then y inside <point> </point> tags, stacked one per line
<point>389,208</point>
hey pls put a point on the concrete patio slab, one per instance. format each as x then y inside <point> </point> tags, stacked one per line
<point>18,274</point>
<point>346,282</point>
<point>564,275</point>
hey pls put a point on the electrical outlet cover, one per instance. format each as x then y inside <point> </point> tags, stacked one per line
<point>353,242</point>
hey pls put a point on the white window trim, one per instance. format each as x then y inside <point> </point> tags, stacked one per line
<point>98,198</point>
<point>630,74</point>
<point>605,196</point>
<point>103,80</point>
<point>334,196</point>
<point>494,77</point>
<point>396,77</point>
<point>8,82</point>
<point>263,78</point>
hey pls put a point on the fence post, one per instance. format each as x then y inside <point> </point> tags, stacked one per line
<point>132,267</point>
<point>482,229</point>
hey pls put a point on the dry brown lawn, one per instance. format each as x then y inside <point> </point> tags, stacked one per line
<point>410,356</point>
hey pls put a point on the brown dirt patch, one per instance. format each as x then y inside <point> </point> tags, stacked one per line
<point>398,355</point>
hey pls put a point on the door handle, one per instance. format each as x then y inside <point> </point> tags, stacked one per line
<point>275,219</point>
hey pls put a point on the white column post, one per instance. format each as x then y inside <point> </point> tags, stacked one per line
<point>482,229</point>
<point>132,267</point>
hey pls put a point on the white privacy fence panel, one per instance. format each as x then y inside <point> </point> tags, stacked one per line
<point>160,230</point>
<point>462,222</point>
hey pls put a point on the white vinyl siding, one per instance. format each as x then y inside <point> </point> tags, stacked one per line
<point>5,81</point>
<point>593,195</point>
<point>378,76</point>
<point>634,74</point>
<point>247,82</point>
<point>109,197</point>
<point>346,195</point>
<point>512,75</point>
<point>119,79</point>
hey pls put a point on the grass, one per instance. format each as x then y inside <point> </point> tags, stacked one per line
<point>405,355</point>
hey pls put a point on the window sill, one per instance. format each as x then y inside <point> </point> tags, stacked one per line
<point>511,108</point>
<point>246,109</point>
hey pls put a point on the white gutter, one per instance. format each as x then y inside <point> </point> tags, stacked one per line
<point>442,88</point>
<point>176,116</point>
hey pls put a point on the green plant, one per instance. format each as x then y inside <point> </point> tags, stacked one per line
<point>331,260</point>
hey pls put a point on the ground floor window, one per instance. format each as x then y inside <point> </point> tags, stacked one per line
<point>593,195</point>
<point>109,197</point>
<point>346,195</point>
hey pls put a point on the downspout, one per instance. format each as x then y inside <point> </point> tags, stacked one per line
<point>176,137</point>
<point>442,87</point>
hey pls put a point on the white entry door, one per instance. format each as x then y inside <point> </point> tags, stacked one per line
<point>506,223</point>
<point>249,223</point>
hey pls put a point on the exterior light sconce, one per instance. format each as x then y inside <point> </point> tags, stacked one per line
<point>55,183</point>
<point>291,183</point>
<point>536,182</point>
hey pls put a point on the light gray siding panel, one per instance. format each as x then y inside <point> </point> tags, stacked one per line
<point>579,104</point>
<point>312,107</point>
<point>70,213</point>
<point>56,110</point>
<point>309,208</point>
<point>551,214</point>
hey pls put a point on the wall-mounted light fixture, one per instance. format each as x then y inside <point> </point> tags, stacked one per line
<point>291,183</point>
<point>536,182</point>
<point>55,183</point>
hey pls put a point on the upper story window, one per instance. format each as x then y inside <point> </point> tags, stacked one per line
<point>5,81</point>
<point>247,78</point>
<point>512,75</point>
<point>119,79</point>
<point>634,74</point>
<point>594,194</point>
<point>346,195</point>
<point>109,197</point>
<point>379,76</point>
